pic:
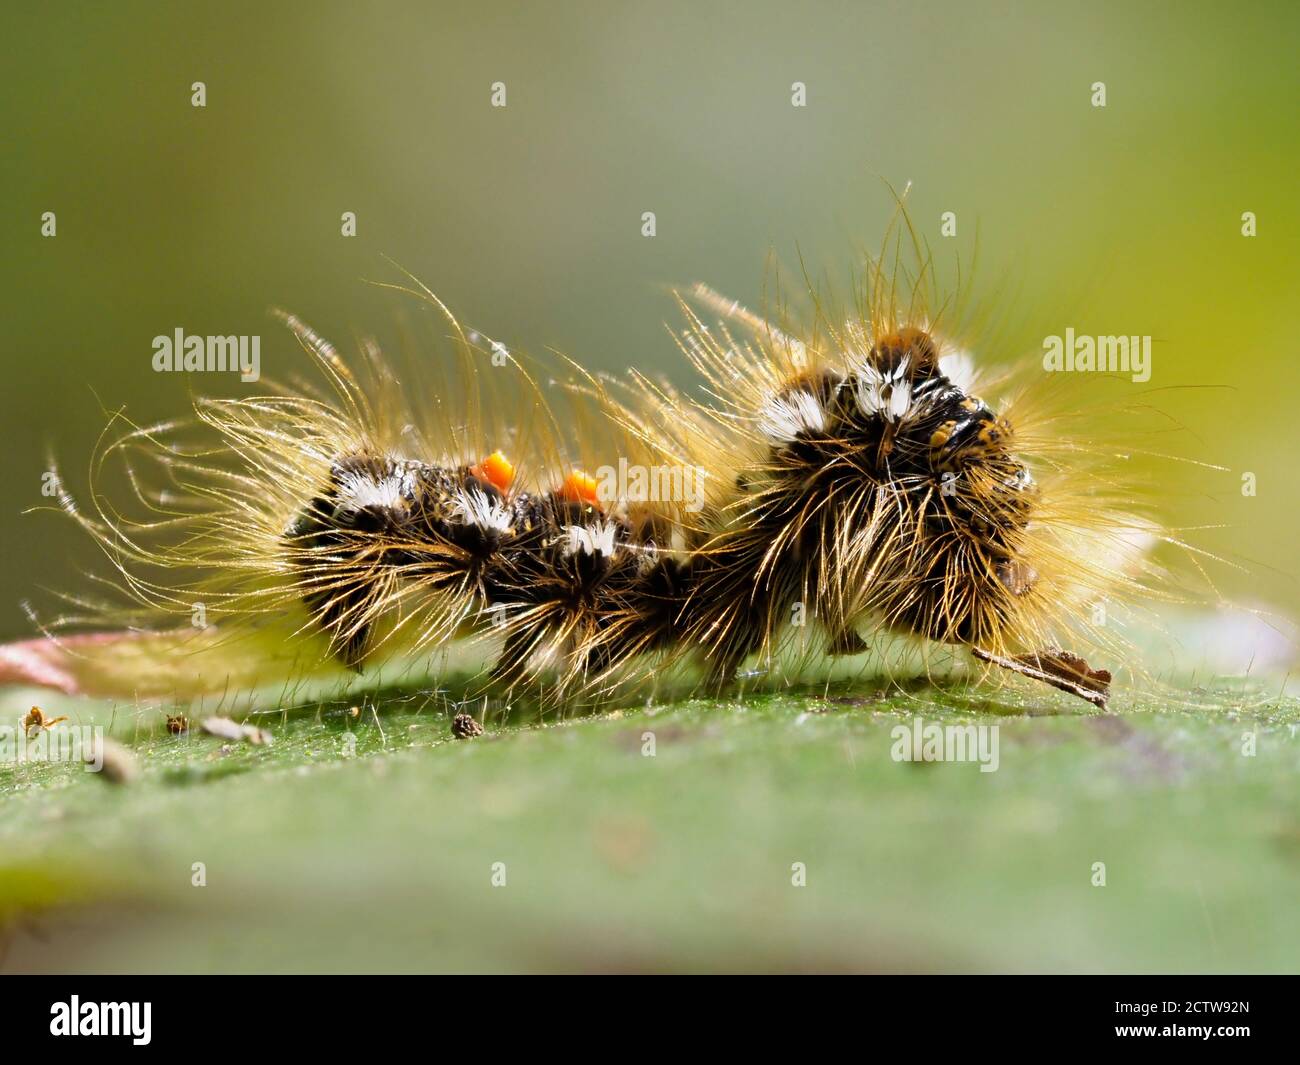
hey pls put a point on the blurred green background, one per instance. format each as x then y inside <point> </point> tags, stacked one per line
<point>527,219</point>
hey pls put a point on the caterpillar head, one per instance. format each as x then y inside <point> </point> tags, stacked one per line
<point>911,490</point>
<point>963,495</point>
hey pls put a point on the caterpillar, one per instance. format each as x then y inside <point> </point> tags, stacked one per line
<point>855,476</point>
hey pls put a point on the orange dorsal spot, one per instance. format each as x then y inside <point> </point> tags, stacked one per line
<point>579,487</point>
<point>498,471</point>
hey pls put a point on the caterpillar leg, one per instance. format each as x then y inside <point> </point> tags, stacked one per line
<point>847,642</point>
<point>511,667</point>
<point>339,614</point>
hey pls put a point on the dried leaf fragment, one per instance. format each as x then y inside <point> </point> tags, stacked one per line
<point>225,729</point>
<point>1062,670</point>
<point>36,719</point>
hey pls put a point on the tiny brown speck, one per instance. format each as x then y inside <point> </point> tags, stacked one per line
<point>177,723</point>
<point>463,726</point>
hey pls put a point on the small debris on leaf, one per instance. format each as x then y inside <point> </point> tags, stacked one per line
<point>225,729</point>
<point>1063,670</point>
<point>463,727</point>
<point>111,761</point>
<point>35,719</point>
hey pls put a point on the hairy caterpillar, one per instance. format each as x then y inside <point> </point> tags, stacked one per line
<point>854,481</point>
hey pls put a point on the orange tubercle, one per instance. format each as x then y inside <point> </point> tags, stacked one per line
<point>498,471</point>
<point>579,487</point>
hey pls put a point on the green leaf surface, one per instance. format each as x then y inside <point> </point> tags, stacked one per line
<point>369,842</point>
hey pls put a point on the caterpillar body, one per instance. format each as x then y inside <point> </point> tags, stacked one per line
<point>854,481</point>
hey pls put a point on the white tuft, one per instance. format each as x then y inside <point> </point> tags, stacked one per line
<point>783,418</point>
<point>959,368</point>
<point>900,399</point>
<point>473,507</point>
<point>889,395</point>
<point>360,490</point>
<point>596,539</point>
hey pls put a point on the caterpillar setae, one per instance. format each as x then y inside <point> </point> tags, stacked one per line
<point>828,483</point>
